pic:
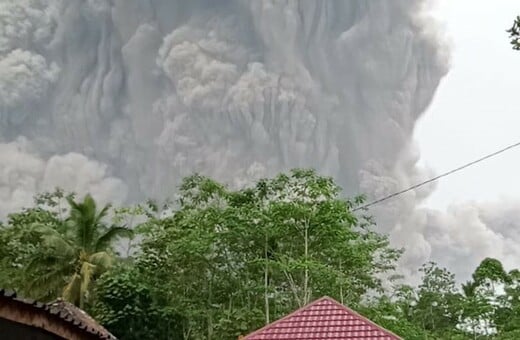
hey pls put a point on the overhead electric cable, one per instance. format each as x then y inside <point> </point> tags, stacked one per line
<point>398,193</point>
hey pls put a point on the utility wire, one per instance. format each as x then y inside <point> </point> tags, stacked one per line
<point>398,193</point>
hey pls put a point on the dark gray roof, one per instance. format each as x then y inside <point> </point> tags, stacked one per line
<point>65,311</point>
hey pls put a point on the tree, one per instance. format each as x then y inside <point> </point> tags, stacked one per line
<point>489,273</point>
<point>507,314</point>
<point>395,313</point>
<point>127,306</point>
<point>74,254</point>
<point>514,34</point>
<point>432,310</point>
<point>482,300</point>
<point>224,256</point>
<point>438,302</point>
<point>19,243</point>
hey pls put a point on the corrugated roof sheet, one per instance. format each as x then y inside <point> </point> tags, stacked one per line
<point>322,319</point>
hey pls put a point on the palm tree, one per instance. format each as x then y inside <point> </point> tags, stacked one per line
<point>75,253</point>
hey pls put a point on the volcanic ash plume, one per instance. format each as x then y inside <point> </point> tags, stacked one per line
<point>125,97</point>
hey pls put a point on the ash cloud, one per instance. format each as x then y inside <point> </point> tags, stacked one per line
<point>468,232</point>
<point>125,97</point>
<point>24,173</point>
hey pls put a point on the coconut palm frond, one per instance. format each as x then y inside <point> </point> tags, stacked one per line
<point>82,220</point>
<point>72,291</point>
<point>87,221</point>
<point>72,204</point>
<point>86,274</point>
<point>106,240</point>
<point>44,262</point>
<point>47,273</point>
<point>53,245</point>
<point>69,259</point>
<point>58,245</point>
<point>41,228</point>
<point>44,231</point>
<point>102,262</point>
<point>47,285</point>
<point>102,214</point>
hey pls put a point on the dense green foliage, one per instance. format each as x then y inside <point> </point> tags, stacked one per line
<point>225,257</point>
<point>127,305</point>
<point>46,254</point>
<point>218,263</point>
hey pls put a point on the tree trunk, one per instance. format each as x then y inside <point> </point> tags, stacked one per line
<point>266,279</point>
<point>306,257</point>
<point>210,312</point>
<point>342,299</point>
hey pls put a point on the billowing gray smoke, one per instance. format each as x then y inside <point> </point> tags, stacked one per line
<point>125,97</point>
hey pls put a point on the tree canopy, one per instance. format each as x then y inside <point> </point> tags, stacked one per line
<point>47,254</point>
<point>219,262</point>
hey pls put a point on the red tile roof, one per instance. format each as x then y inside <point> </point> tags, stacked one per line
<point>322,319</point>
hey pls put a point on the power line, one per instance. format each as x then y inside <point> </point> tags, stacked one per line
<point>398,193</point>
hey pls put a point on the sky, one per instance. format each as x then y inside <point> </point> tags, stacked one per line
<point>476,109</point>
<point>128,100</point>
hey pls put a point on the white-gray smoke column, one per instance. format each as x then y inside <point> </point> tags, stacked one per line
<point>123,98</point>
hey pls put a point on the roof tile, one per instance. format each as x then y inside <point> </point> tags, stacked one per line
<point>323,319</point>
<point>65,311</point>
